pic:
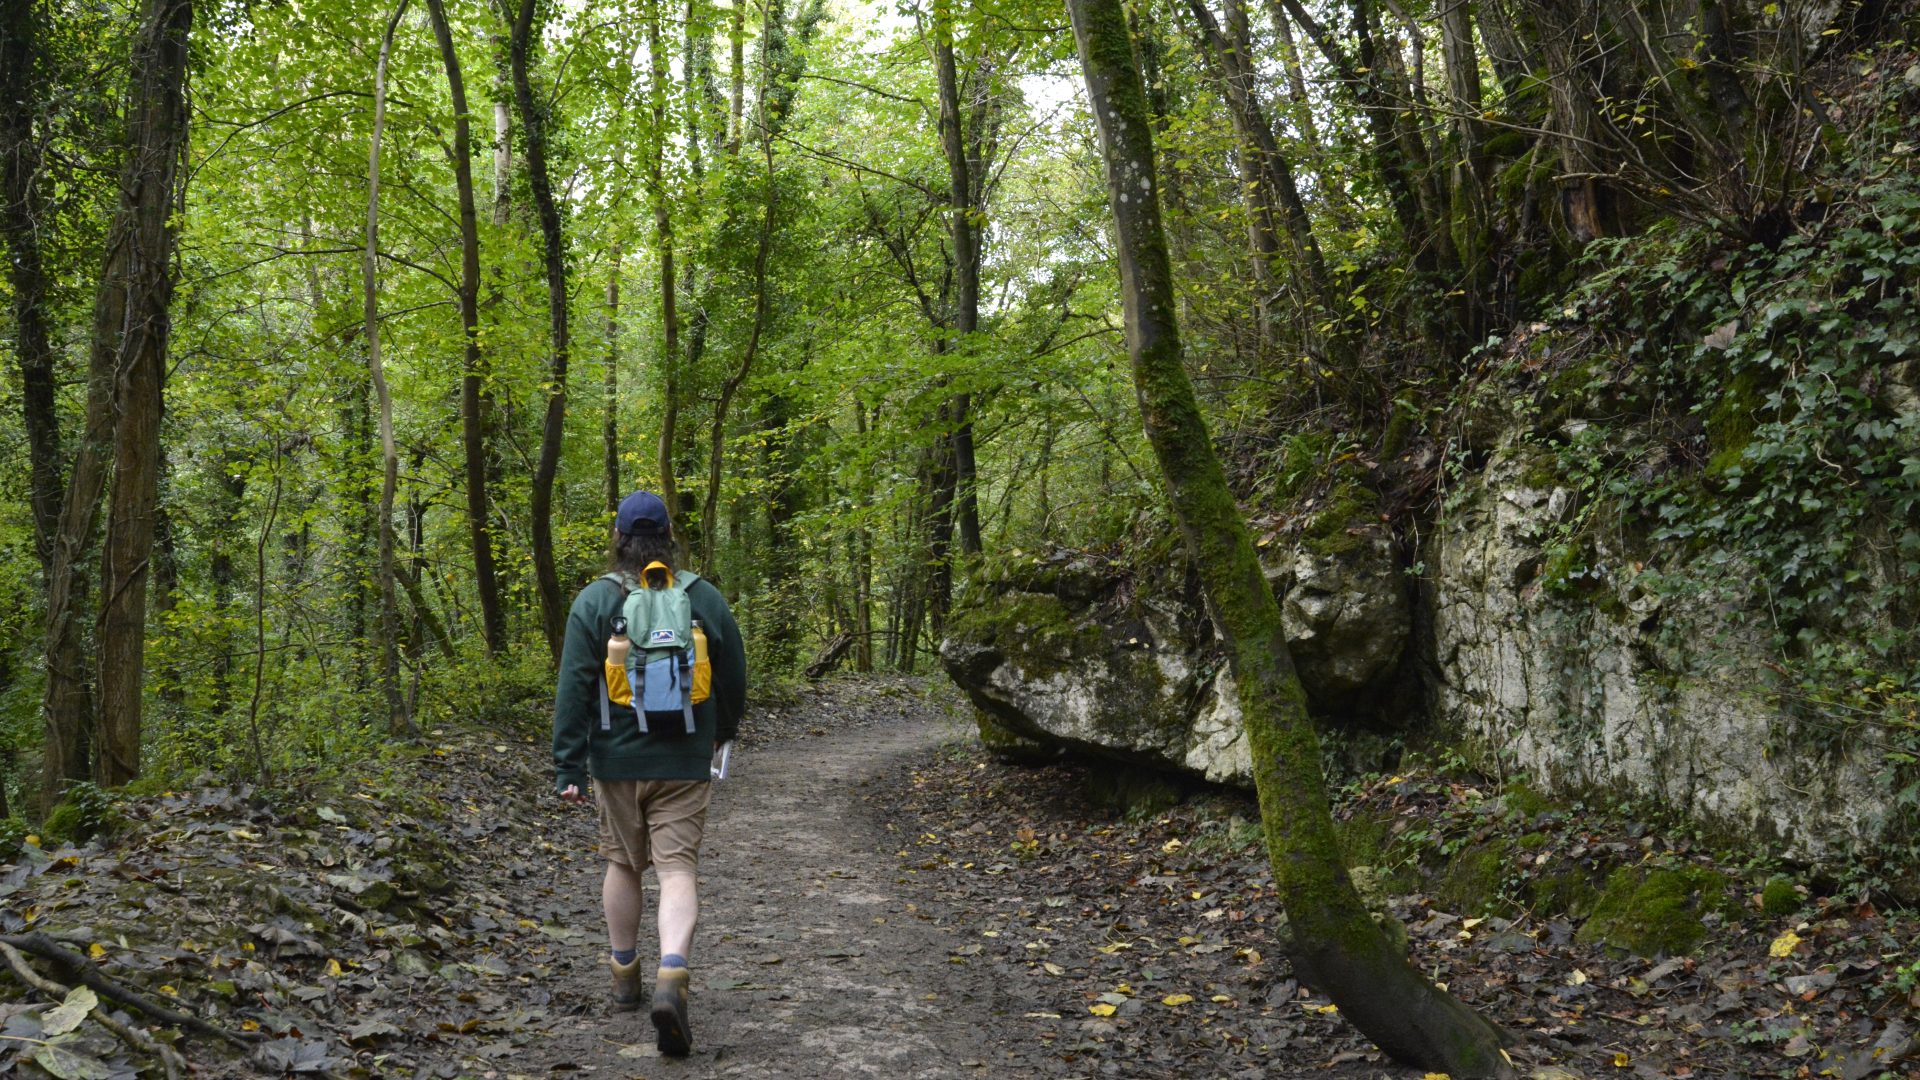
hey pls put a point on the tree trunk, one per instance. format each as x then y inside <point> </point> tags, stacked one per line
<point>667,454</point>
<point>717,435</point>
<point>863,560</point>
<point>1301,105</point>
<point>611,425</point>
<point>232,486</point>
<point>1275,196</point>
<point>1467,182</point>
<point>473,438</point>
<point>964,219</point>
<point>156,136</point>
<point>941,481</point>
<point>389,622</point>
<point>1337,946</point>
<point>533,119</point>
<point>23,221</point>
<point>737,38</point>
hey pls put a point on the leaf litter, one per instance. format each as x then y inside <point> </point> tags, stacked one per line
<point>419,925</point>
<point>1147,945</point>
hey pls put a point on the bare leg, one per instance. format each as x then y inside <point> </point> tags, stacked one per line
<point>679,911</point>
<point>623,897</point>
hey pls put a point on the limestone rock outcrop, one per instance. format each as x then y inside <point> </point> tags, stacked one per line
<point>1599,686</point>
<point>1069,650</point>
<point>1579,681</point>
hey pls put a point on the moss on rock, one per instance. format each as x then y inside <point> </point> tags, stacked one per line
<point>1131,790</point>
<point>1009,745</point>
<point>1779,897</point>
<point>1655,911</point>
<point>1472,882</point>
<point>1520,799</point>
<point>1563,889</point>
<point>1330,530</point>
<point>1364,837</point>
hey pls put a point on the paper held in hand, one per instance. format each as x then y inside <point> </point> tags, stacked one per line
<point>722,760</point>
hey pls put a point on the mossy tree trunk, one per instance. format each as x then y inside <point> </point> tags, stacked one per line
<point>1337,946</point>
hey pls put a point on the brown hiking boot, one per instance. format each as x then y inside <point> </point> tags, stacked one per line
<point>626,985</point>
<point>670,1011</point>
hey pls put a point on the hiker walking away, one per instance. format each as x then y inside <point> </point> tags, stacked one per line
<point>653,677</point>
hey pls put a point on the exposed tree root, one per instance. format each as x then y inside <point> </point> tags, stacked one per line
<point>138,1040</point>
<point>43,946</point>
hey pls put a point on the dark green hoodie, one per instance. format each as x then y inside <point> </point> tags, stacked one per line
<point>581,749</point>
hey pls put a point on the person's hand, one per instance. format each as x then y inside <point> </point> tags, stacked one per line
<point>572,793</point>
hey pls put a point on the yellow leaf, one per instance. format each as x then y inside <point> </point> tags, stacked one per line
<point>1102,1009</point>
<point>1326,1010</point>
<point>1436,1076</point>
<point>1471,923</point>
<point>249,1025</point>
<point>1220,999</point>
<point>33,840</point>
<point>1621,1061</point>
<point>96,950</point>
<point>1783,945</point>
<point>333,968</point>
<point>1170,846</point>
<point>1116,947</point>
<point>1053,968</point>
<point>1176,999</point>
<point>168,989</point>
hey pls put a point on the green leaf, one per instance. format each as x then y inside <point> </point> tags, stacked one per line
<point>71,1064</point>
<point>68,1014</point>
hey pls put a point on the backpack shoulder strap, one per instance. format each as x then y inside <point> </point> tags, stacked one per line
<point>620,580</point>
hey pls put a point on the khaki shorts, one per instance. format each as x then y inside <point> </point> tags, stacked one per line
<point>654,823</point>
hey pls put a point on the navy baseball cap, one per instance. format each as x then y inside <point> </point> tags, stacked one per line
<point>642,512</point>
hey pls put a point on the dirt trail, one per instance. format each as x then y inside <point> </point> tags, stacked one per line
<point>809,961</point>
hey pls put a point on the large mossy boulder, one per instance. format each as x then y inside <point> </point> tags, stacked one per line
<point>1076,651</point>
<point>1656,911</point>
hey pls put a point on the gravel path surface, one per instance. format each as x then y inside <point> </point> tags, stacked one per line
<point>809,960</point>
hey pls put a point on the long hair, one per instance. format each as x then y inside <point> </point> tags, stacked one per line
<point>632,552</point>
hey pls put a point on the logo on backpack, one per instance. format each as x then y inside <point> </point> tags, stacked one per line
<point>666,678</point>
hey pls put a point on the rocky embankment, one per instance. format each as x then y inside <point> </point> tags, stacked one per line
<point>1581,689</point>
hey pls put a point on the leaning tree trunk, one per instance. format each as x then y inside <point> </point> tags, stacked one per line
<point>1336,944</point>
<point>473,438</point>
<point>156,135</point>
<point>533,118</point>
<point>398,720</point>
